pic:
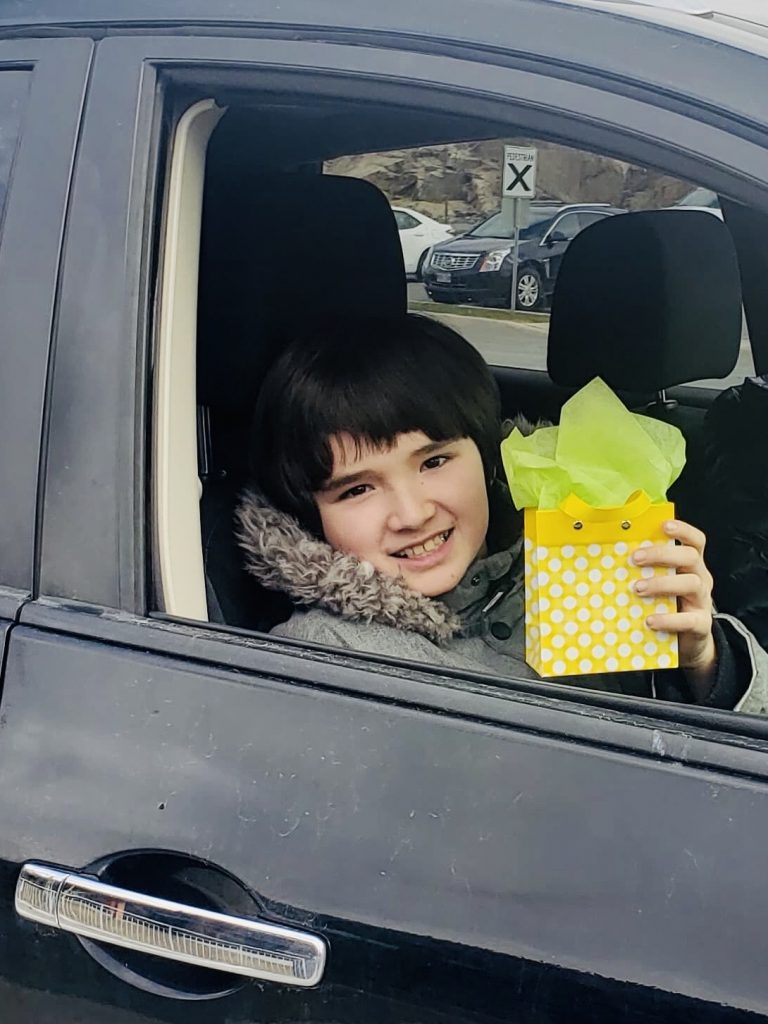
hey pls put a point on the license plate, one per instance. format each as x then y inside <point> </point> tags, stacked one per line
<point>443,278</point>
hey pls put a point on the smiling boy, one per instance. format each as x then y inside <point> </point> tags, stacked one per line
<point>417,509</point>
<point>381,509</point>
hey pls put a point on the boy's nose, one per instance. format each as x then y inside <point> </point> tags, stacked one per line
<point>411,509</point>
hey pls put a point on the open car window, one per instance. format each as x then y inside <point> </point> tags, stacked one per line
<point>216,343</point>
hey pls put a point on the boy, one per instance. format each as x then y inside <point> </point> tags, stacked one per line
<point>381,507</point>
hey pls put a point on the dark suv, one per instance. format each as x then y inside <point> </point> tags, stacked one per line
<point>478,266</point>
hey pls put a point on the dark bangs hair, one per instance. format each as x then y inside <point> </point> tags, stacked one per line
<point>372,379</point>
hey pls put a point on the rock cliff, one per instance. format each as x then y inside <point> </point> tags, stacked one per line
<point>460,183</point>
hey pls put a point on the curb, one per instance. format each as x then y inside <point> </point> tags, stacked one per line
<point>481,312</point>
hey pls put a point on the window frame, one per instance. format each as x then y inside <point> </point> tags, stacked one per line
<point>32,233</point>
<point>176,529</point>
<point>635,128</point>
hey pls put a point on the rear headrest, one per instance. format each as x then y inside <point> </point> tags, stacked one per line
<point>646,301</point>
<point>277,254</point>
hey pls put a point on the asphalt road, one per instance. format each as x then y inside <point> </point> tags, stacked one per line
<point>524,345</point>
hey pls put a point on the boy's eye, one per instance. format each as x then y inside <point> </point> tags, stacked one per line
<point>353,492</point>
<point>435,461</point>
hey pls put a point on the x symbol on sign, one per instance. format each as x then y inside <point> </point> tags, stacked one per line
<point>519,175</point>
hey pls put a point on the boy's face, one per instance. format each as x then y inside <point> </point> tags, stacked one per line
<point>418,510</point>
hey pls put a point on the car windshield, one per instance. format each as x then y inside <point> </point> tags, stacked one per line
<point>501,225</point>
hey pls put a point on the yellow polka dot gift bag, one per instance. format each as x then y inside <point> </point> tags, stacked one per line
<point>593,490</point>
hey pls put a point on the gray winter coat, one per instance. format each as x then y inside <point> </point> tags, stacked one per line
<point>477,626</point>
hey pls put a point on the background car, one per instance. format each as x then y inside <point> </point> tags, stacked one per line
<point>477,267</point>
<point>417,233</point>
<point>700,199</point>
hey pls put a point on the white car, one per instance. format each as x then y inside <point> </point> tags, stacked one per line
<point>417,234</point>
<point>700,199</point>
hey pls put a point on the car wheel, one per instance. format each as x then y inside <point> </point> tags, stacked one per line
<point>530,294</point>
<point>420,264</point>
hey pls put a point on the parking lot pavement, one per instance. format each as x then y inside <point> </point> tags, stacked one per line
<point>524,345</point>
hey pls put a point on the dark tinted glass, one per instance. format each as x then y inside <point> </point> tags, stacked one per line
<point>500,225</point>
<point>567,227</point>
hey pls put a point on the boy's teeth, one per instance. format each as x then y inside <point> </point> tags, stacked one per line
<point>423,549</point>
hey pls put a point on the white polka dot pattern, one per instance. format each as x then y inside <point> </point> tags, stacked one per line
<point>582,617</point>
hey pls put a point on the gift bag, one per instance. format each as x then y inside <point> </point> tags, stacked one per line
<point>593,490</point>
<point>581,615</point>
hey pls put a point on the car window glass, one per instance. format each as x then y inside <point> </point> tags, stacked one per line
<point>501,225</point>
<point>585,219</point>
<point>405,220</point>
<point>14,86</point>
<point>566,228</point>
<point>465,279</point>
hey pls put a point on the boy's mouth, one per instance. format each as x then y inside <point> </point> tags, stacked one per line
<point>425,548</point>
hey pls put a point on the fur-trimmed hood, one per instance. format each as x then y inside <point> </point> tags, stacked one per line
<point>284,556</point>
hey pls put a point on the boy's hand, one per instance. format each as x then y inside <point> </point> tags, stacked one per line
<point>692,587</point>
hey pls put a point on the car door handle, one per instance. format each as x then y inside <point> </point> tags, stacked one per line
<point>84,905</point>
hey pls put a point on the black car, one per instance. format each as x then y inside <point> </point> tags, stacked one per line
<point>201,821</point>
<point>477,267</point>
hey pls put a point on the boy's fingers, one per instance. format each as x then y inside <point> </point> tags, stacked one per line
<point>676,557</point>
<point>688,584</point>
<point>698,623</point>
<point>686,534</point>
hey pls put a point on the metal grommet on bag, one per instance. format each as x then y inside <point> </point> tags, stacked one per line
<point>578,525</point>
<point>626,524</point>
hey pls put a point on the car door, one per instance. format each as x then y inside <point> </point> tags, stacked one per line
<point>556,241</point>
<point>41,90</point>
<point>460,850</point>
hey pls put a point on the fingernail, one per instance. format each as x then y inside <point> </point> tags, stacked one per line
<point>639,587</point>
<point>670,527</point>
<point>650,621</point>
<point>638,557</point>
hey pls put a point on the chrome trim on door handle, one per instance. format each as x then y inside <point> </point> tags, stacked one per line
<point>86,906</point>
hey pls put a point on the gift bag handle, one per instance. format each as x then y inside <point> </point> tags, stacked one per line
<point>580,512</point>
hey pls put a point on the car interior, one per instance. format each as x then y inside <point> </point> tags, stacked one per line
<point>257,241</point>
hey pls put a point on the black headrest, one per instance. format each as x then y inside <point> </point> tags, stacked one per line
<point>646,301</point>
<point>276,253</point>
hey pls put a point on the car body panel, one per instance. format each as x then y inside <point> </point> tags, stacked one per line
<point>304,796</point>
<point>748,15</point>
<point>32,231</point>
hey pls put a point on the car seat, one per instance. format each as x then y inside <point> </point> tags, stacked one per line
<point>277,251</point>
<point>733,495</point>
<point>668,312</point>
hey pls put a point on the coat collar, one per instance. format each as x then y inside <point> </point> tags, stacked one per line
<point>283,556</point>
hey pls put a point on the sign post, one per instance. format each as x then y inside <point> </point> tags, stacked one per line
<point>518,187</point>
